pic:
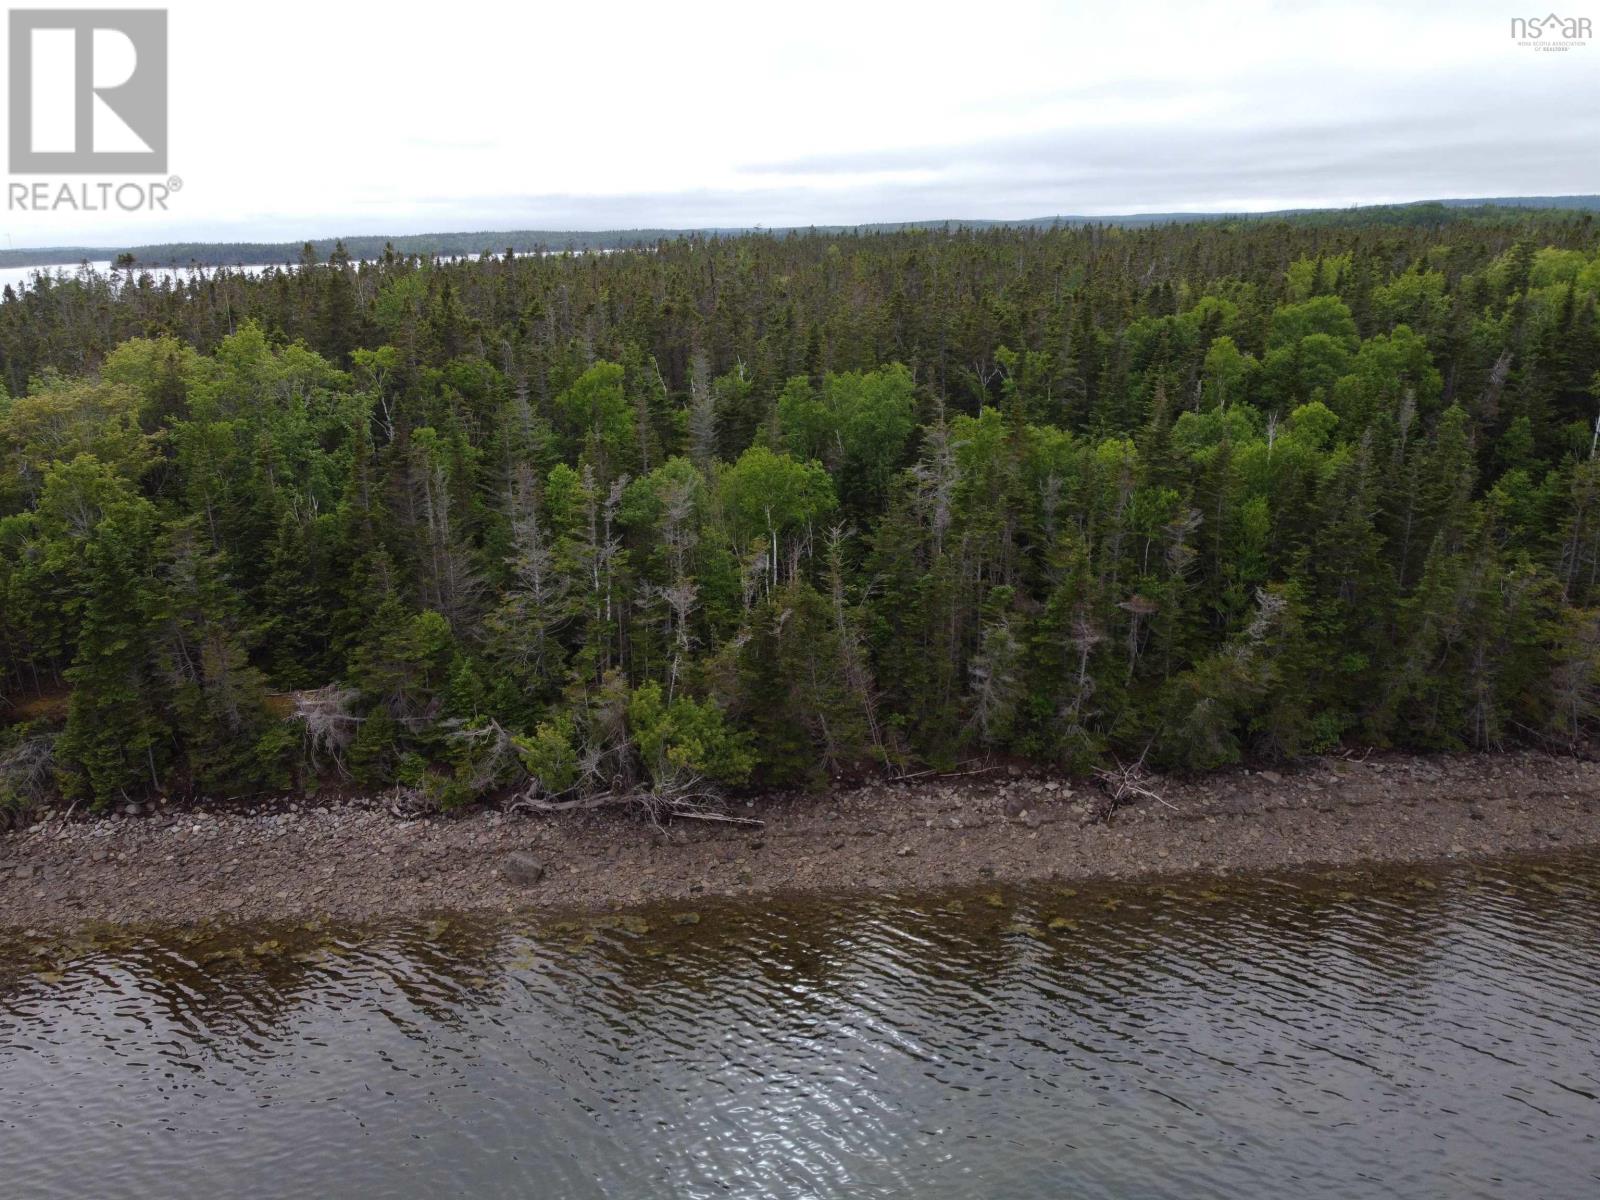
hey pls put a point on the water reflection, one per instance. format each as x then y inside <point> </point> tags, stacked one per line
<point>1346,1034</point>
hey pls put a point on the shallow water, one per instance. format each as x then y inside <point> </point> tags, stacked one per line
<point>1353,1034</point>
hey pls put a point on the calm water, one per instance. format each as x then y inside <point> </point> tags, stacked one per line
<point>1349,1035</point>
<point>21,278</point>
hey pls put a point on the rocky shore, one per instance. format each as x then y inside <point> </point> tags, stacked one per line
<point>353,861</point>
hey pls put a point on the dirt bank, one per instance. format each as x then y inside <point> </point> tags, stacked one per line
<point>358,863</point>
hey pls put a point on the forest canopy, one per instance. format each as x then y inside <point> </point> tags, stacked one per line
<point>762,511</point>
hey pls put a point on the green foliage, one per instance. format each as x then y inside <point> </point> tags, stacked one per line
<point>549,756</point>
<point>63,419</point>
<point>858,424</point>
<point>598,411</point>
<point>375,753</point>
<point>1325,316</point>
<point>767,496</point>
<point>772,510</point>
<point>115,738</point>
<point>230,740</point>
<point>686,735</point>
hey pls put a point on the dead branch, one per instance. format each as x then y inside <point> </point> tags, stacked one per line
<point>492,749</point>
<point>26,771</point>
<point>407,803</point>
<point>686,797</point>
<point>939,773</point>
<point>1122,787</point>
<point>723,818</point>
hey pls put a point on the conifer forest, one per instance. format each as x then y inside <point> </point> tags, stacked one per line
<point>764,512</point>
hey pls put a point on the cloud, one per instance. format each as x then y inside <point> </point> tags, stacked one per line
<point>712,113</point>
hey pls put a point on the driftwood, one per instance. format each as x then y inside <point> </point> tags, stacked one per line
<point>407,803</point>
<point>1121,787</point>
<point>941,773</point>
<point>686,799</point>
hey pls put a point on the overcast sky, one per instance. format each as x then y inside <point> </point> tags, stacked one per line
<point>293,118</point>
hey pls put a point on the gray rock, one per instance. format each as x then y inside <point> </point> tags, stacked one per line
<point>522,869</point>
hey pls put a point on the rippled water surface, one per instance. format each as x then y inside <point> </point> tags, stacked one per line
<point>1336,1035</point>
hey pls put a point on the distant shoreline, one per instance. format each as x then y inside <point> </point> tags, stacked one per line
<point>471,243</point>
<point>353,861</point>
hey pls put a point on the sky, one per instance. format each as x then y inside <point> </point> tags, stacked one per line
<point>298,119</point>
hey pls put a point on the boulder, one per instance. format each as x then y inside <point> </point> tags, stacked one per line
<point>522,869</point>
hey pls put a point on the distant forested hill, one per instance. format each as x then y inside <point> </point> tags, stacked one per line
<point>181,254</point>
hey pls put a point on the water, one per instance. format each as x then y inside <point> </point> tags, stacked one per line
<point>22,278</point>
<point>1336,1035</point>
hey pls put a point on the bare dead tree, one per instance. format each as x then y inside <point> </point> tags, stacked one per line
<point>1085,636</point>
<point>1050,503</point>
<point>1575,679</point>
<point>1403,421</point>
<point>1489,400</point>
<point>536,604</point>
<point>454,586</point>
<point>327,714</point>
<point>1179,534</point>
<point>26,773</point>
<point>754,571</point>
<point>681,536</point>
<point>994,679</point>
<point>1139,607</point>
<point>491,753</point>
<point>1580,536</point>
<point>852,655</point>
<point>702,413</point>
<point>937,476</point>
